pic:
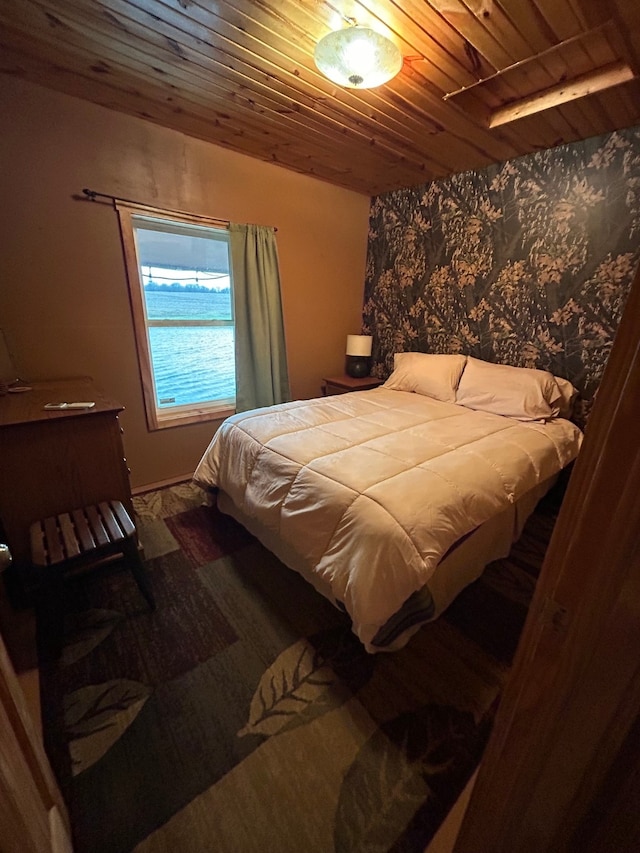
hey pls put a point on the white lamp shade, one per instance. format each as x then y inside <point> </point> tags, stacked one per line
<point>359,345</point>
<point>358,57</point>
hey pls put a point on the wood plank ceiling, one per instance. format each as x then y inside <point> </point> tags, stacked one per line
<point>241,74</point>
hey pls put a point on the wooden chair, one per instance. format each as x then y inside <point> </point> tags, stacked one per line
<point>72,540</point>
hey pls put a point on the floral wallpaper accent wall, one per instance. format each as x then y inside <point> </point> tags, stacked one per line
<point>528,262</point>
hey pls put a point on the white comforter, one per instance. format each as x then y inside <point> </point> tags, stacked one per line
<point>372,488</point>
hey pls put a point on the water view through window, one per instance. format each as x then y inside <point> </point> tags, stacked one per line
<point>185,279</point>
<point>191,363</point>
<point>181,293</point>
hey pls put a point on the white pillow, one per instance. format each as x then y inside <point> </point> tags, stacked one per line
<point>515,392</point>
<point>434,376</point>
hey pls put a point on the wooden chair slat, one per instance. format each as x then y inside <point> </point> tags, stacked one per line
<point>83,530</point>
<point>125,521</point>
<point>71,546</point>
<point>95,522</point>
<point>110,522</point>
<point>52,541</point>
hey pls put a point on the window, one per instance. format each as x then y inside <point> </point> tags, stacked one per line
<point>182,303</point>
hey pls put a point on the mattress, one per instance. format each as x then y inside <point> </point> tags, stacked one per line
<point>371,494</point>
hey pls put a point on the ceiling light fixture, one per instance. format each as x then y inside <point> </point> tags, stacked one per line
<point>358,57</point>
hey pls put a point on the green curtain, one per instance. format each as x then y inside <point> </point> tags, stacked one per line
<point>262,377</point>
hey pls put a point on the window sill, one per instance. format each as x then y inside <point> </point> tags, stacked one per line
<point>194,416</point>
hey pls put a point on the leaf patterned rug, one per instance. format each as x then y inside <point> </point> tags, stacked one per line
<point>243,716</point>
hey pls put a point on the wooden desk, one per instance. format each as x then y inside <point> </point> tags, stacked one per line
<point>55,460</point>
<point>343,384</point>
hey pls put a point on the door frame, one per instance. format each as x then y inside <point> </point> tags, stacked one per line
<point>33,815</point>
<point>563,756</point>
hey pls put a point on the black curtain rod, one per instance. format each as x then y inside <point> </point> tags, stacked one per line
<point>93,195</point>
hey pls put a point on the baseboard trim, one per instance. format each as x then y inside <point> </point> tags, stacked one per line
<point>162,484</point>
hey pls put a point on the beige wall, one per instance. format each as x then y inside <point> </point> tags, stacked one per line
<point>63,296</point>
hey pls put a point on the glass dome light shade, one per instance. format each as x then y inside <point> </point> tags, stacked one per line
<point>358,57</point>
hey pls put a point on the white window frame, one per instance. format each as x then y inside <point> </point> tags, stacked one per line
<point>158,418</point>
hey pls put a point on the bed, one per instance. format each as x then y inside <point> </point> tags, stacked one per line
<point>391,501</point>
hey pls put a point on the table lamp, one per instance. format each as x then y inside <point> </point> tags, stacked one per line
<point>358,361</point>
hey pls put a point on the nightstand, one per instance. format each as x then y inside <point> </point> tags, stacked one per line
<point>343,384</point>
